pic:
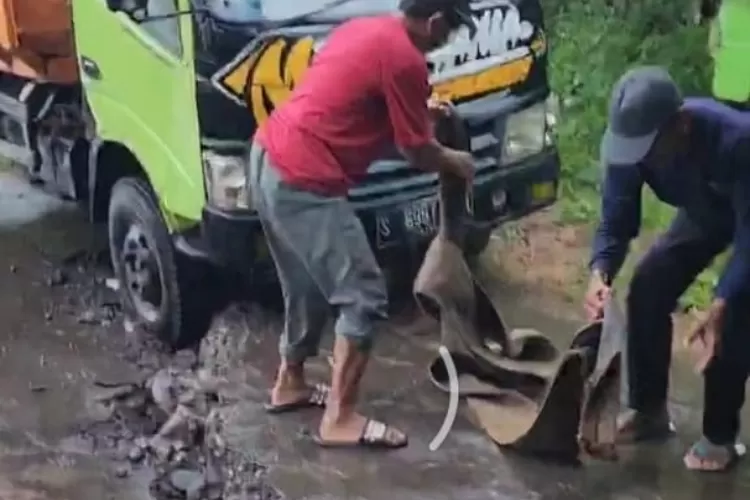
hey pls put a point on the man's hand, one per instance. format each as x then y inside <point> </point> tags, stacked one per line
<point>706,336</point>
<point>596,296</point>
<point>463,164</point>
<point>439,109</point>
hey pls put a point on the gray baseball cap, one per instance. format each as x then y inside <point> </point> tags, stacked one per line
<point>643,100</point>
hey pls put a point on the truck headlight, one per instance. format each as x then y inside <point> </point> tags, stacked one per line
<point>226,181</point>
<point>525,133</point>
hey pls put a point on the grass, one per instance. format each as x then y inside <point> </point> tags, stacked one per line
<point>592,45</point>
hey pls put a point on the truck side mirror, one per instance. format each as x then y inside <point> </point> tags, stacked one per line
<point>128,6</point>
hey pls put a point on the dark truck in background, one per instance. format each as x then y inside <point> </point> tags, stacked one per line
<point>142,111</point>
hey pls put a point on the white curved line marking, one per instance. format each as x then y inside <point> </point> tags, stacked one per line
<point>450,415</point>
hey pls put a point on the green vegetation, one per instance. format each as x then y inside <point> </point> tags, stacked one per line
<point>593,43</point>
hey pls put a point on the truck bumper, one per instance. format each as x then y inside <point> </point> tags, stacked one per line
<point>234,240</point>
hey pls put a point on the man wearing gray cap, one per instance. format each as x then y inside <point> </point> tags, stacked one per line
<point>695,155</point>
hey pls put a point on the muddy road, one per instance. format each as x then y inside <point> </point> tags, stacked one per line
<point>64,342</point>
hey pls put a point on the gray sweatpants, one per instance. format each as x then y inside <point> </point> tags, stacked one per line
<point>323,260</point>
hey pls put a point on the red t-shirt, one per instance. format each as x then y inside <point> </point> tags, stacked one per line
<point>367,88</point>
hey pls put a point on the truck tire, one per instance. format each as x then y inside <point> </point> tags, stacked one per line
<point>155,280</point>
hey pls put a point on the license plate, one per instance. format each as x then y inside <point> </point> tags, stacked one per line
<point>419,217</point>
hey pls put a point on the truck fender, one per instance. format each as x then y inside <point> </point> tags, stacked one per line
<point>118,162</point>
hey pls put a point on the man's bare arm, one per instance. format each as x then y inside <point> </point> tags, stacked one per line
<point>434,157</point>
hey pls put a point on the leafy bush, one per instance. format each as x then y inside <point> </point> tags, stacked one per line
<point>592,44</point>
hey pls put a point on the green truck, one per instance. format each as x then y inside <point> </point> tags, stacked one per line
<point>169,92</point>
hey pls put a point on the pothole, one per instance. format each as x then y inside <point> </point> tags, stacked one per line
<point>171,421</point>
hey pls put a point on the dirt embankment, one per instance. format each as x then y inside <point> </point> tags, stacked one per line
<point>545,256</point>
<point>549,259</point>
<point>546,259</point>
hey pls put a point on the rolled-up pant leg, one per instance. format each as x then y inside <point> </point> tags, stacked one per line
<point>305,308</point>
<point>331,249</point>
<point>725,378</point>
<point>661,277</point>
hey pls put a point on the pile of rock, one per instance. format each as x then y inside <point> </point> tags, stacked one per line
<point>177,407</point>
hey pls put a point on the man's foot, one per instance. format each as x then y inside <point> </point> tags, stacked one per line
<point>636,426</point>
<point>291,392</point>
<point>341,426</point>
<point>283,401</point>
<point>704,456</point>
<point>358,431</point>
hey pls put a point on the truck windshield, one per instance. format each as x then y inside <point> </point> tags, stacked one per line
<point>248,11</point>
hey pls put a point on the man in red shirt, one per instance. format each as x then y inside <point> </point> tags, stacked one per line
<point>366,89</point>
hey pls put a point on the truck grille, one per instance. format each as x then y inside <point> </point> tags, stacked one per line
<point>391,179</point>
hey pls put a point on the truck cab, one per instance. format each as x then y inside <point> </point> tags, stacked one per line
<point>171,92</point>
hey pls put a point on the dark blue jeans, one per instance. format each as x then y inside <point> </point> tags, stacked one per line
<point>662,276</point>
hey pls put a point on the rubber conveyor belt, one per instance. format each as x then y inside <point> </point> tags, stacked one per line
<point>522,390</point>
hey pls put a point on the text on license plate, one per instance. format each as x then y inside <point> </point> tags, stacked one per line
<point>420,218</point>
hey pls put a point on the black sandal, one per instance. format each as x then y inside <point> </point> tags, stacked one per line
<point>375,435</point>
<point>316,399</point>
<point>634,427</point>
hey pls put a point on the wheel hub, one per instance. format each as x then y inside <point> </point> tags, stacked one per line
<point>142,277</point>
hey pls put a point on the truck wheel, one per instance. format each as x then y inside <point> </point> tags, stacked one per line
<point>154,284</point>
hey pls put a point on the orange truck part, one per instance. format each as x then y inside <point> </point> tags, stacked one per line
<point>36,40</point>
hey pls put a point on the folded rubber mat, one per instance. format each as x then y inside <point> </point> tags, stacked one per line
<point>522,390</point>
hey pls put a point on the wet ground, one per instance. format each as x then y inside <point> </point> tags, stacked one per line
<point>63,333</point>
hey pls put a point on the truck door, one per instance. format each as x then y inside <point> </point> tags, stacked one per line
<point>140,83</point>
